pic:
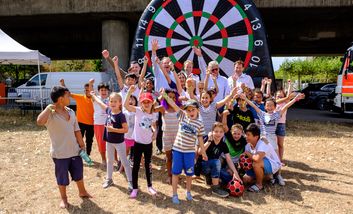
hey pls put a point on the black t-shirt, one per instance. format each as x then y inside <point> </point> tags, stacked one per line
<point>214,151</point>
<point>244,118</point>
<point>236,148</point>
<point>116,120</point>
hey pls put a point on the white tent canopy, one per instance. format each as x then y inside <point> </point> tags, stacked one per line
<point>12,52</point>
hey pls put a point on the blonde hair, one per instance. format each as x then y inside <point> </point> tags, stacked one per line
<point>118,96</point>
<point>213,63</point>
<point>219,125</point>
<point>237,126</point>
<point>188,62</point>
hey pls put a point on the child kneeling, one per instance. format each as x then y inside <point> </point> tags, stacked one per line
<point>265,159</point>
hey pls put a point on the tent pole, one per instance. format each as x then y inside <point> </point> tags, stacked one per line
<point>40,84</point>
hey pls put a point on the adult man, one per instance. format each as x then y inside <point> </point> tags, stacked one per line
<point>222,83</point>
<point>238,78</point>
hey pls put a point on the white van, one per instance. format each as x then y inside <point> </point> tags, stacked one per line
<point>74,81</point>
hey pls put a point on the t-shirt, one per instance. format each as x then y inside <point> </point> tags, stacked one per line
<point>116,120</point>
<point>130,119</point>
<point>244,118</point>
<point>214,151</point>
<point>143,126</point>
<point>100,115</point>
<point>62,135</point>
<point>236,147</point>
<point>208,116</point>
<point>84,109</point>
<point>270,154</point>
<point>268,123</point>
<point>188,132</point>
<point>253,111</point>
<point>123,93</point>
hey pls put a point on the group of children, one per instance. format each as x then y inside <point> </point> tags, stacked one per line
<point>206,123</point>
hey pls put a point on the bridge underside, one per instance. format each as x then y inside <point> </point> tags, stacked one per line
<point>291,31</point>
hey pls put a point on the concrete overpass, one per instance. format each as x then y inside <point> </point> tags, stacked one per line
<point>68,29</point>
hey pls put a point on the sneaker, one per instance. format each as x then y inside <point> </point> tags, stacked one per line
<point>280,180</point>
<point>175,199</point>
<point>134,193</point>
<point>208,179</point>
<point>129,187</point>
<point>188,196</point>
<point>107,183</point>
<point>152,191</point>
<point>219,192</point>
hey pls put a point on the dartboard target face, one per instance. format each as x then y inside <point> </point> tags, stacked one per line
<point>225,31</point>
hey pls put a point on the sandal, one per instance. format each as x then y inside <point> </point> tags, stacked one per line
<point>255,188</point>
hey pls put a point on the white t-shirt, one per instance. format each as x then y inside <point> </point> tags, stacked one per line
<point>244,78</point>
<point>100,115</point>
<point>143,126</point>
<point>130,119</point>
<point>123,92</point>
<point>270,154</point>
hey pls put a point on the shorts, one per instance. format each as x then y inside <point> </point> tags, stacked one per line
<point>129,143</point>
<point>98,132</point>
<point>73,165</point>
<point>182,161</point>
<point>267,169</point>
<point>212,167</point>
<point>281,129</point>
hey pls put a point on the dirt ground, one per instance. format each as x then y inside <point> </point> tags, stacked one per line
<point>318,176</point>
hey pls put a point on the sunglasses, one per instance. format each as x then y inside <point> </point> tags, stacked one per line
<point>215,69</point>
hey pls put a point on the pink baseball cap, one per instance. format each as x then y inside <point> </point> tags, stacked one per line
<point>146,96</point>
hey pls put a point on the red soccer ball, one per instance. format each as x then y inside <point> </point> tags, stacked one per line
<point>245,162</point>
<point>235,188</point>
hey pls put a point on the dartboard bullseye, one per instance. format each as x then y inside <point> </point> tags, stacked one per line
<point>225,31</point>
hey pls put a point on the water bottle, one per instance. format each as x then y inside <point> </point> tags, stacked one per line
<point>85,157</point>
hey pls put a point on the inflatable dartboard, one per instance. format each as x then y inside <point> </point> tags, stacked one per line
<point>225,30</point>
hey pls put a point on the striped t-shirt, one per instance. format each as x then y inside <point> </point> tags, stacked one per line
<point>208,116</point>
<point>188,132</point>
<point>268,122</point>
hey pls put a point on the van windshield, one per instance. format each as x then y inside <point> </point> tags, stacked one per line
<point>35,80</point>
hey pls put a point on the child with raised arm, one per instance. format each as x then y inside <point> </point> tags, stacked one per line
<point>144,134</point>
<point>190,129</point>
<point>268,122</point>
<point>66,142</point>
<point>115,127</point>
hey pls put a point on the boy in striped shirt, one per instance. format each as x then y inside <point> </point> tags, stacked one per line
<point>190,129</point>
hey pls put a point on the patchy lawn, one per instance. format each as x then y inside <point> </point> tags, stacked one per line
<point>318,175</point>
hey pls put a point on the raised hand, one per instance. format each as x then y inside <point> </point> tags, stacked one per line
<point>243,96</point>
<point>197,51</point>
<point>115,60</point>
<point>154,45</point>
<point>145,60</point>
<point>131,89</point>
<point>105,53</point>
<point>91,81</point>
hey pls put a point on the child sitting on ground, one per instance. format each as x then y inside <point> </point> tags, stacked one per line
<point>66,142</point>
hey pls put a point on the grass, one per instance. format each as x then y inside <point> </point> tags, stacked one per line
<point>318,177</point>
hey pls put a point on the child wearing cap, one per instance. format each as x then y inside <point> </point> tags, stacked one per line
<point>144,133</point>
<point>190,129</point>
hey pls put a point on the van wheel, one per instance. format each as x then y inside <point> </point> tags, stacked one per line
<point>321,104</point>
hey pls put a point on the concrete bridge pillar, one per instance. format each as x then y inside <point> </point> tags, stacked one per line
<point>115,38</point>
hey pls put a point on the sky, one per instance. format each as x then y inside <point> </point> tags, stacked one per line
<point>277,61</point>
